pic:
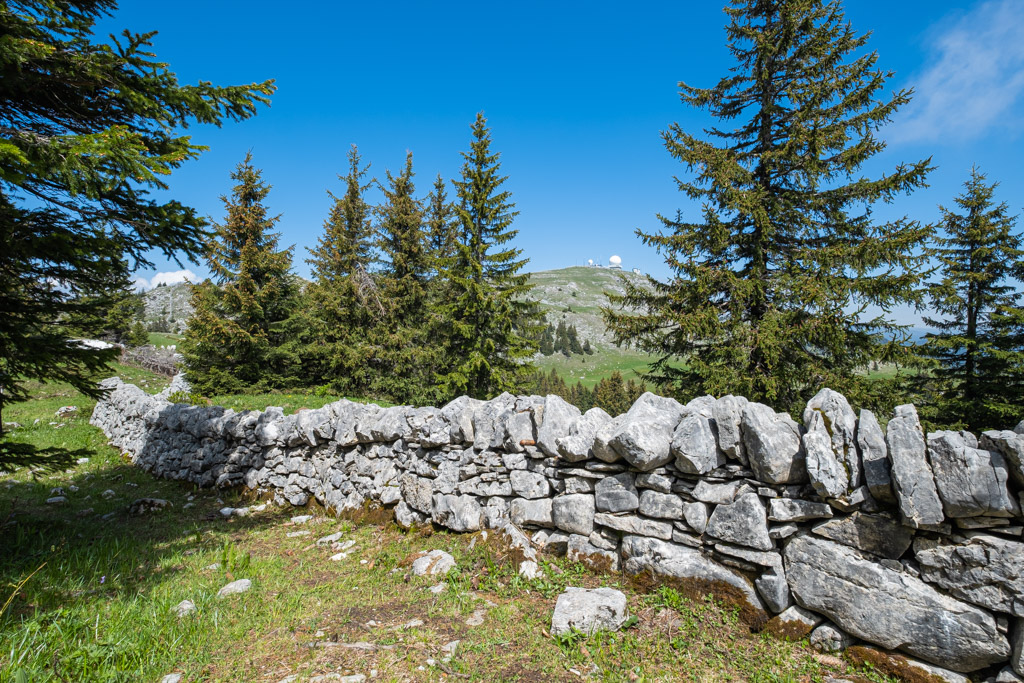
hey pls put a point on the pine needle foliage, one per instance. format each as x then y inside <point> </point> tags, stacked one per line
<point>344,300</point>
<point>978,360</point>
<point>234,339</point>
<point>772,284</point>
<point>87,130</point>
<point>490,328</point>
<point>406,351</point>
<point>441,224</point>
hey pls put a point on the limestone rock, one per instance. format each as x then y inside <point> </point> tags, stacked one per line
<point>588,610</point>
<point>719,494</point>
<point>986,570</point>
<point>184,608</point>
<point>600,559</point>
<point>433,563</point>
<point>632,524</point>
<point>559,417</point>
<point>891,608</point>
<point>794,623</point>
<point>234,588</point>
<point>529,484</point>
<point>578,444</point>
<point>617,493</point>
<point>971,482</point>
<point>874,455</point>
<point>660,505</point>
<point>743,522</point>
<point>574,513</point>
<point>694,445</point>
<point>458,513</point>
<point>728,414</point>
<point>771,585</point>
<point>830,639</point>
<point>696,516</point>
<point>644,554</point>
<point>644,443</point>
<point>772,443</point>
<point>536,512</point>
<point>1011,445</point>
<point>878,534</point>
<point>911,476</point>
<point>827,474</point>
<point>407,518</point>
<point>841,424</point>
<point>796,510</point>
<point>602,447</point>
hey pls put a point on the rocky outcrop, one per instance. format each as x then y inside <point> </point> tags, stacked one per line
<point>905,541</point>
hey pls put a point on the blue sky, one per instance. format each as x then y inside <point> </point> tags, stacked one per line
<point>576,95</point>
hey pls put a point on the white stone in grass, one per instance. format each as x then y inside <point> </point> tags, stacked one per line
<point>327,540</point>
<point>56,500</point>
<point>301,519</point>
<point>108,494</point>
<point>438,588</point>
<point>171,678</point>
<point>296,534</point>
<point>81,461</point>
<point>226,512</point>
<point>234,588</point>
<point>433,563</point>
<point>184,608</point>
<point>589,610</point>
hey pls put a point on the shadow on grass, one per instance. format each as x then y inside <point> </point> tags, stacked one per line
<point>89,587</point>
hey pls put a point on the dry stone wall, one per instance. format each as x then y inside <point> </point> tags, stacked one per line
<point>906,541</point>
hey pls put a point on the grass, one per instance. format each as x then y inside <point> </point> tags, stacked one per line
<point>91,589</point>
<point>165,339</point>
<point>589,370</point>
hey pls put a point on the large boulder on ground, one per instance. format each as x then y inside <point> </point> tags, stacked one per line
<point>891,608</point>
<point>986,570</point>
<point>841,424</point>
<point>912,478</point>
<point>971,482</point>
<point>773,446</point>
<point>588,610</point>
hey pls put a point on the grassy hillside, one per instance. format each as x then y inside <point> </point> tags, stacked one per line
<point>87,590</point>
<point>576,295</point>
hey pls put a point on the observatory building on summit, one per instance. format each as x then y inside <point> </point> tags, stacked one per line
<point>615,263</point>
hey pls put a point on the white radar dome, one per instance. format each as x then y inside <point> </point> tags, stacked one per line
<point>615,261</point>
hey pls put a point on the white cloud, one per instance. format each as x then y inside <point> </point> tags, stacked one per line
<point>973,80</point>
<point>169,278</point>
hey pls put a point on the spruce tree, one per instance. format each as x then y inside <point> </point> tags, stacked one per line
<point>978,364</point>
<point>234,338</point>
<point>344,298</point>
<point>772,283</point>
<point>489,327</point>
<point>88,129</point>
<point>406,352</point>
<point>441,224</point>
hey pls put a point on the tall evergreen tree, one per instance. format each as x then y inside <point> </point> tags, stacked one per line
<point>234,338</point>
<point>87,130</point>
<point>978,365</point>
<point>344,299</point>
<point>486,346</point>
<point>406,352</point>
<point>772,285</point>
<point>442,225</point>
